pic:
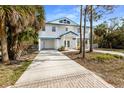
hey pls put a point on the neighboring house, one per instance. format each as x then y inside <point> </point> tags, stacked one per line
<point>61,32</point>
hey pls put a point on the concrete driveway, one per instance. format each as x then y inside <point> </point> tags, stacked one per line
<point>52,69</point>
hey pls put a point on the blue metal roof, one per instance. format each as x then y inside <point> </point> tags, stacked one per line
<point>68,33</point>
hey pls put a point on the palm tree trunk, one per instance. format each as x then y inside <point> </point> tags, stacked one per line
<point>85,10</point>
<point>15,45</point>
<point>4,50</point>
<point>80,29</point>
<point>91,28</point>
<point>10,41</point>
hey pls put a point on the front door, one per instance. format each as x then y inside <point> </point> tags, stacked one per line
<point>68,44</point>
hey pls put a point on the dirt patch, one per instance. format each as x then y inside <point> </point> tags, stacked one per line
<point>109,67</point>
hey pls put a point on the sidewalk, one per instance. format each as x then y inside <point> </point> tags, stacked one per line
<point>52,69</point>
<point>109,52</point>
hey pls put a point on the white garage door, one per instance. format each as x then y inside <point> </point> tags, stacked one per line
<point>48,44</point>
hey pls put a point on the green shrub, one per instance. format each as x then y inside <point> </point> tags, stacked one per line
<point>117,56</point>
<point>103,57</point>
<point>62,48</point>
<point>78,47</point>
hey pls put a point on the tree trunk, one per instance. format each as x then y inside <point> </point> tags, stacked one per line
<point>85,10</point>
<point>91,28</point>
<point>4,50</point>
<point>15,46</point>
<point>80,29</point>
<point>10,42</point>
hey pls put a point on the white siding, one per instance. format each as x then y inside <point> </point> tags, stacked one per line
<point>51,37</point>
<point>60,29</point>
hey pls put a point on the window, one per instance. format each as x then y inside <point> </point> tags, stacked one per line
<point>61,21</point>
<point>43,29</point>
<point>53,29</point>
<point>68,43</point>
<point>64,21</point>
<point>65,43</point>
<point>78,30</point>
<point>68,22</point>
<point>74,38</point>
<point>66,29</point>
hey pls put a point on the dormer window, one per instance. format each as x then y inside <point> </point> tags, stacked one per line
<point>64,21</point>
<point>68,22</point>
<point>61,21</point>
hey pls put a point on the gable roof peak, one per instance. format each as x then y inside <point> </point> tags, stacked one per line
<point>62,21</point>
<point>68,33</point>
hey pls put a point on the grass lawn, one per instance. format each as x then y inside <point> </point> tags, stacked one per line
<point>9,74</point>
<point>108,49</point>
<point>109,67</point>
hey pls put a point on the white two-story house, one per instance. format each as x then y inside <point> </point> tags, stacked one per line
<point>61,32</point>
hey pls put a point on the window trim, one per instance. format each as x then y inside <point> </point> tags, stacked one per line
<point>65,21</point>
<point>53,29</point>
<point>64,43</point>
<point>78,30</point>
<point>68,43</point>
<point>66,29</point>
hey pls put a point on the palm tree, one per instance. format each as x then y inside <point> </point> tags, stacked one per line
<point>80,29</point>
<point>16,19</point>
<point>26,39</point>
<point>3,35</point>
<point>29,16</point>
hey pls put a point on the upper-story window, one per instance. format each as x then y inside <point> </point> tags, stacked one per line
<point>66,29</point>
<point>68,22</point>
<point>78,30</point>
<point>64,21</point>
<point>53,29</point>
<point>43,29</point>
<point>61,21</point>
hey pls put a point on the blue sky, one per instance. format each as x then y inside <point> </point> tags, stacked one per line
<point>73,12</point>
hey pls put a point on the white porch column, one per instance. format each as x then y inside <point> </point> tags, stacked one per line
<point>76,43</point>
<point>39,44</point>
<point>88,44</point>
<point>57,43</point>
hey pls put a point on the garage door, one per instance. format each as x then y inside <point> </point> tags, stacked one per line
<point>48,44</point>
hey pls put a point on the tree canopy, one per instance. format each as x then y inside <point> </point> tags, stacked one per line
<point>15,23</point>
